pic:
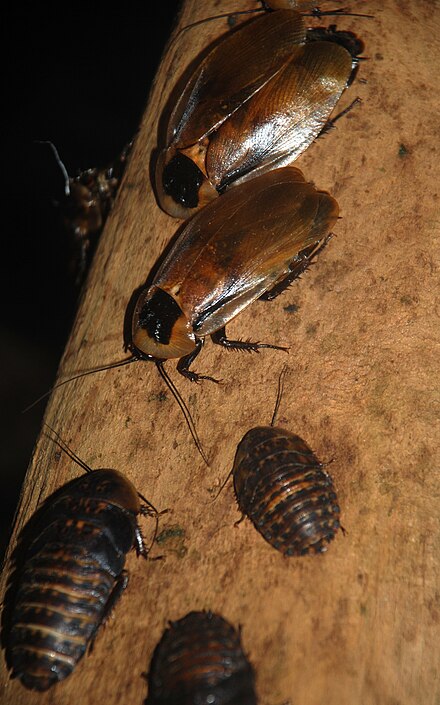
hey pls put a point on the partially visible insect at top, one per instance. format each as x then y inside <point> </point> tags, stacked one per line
<point>88,199</point>
<point>71,573</point>
<point>253,104</point>
<point>200,661</point>
<point>285,491</point>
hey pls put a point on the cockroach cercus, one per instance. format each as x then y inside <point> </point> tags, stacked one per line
<point>72,572</point>
<point>200,659</point>
<point>253,104</point>
<point>250,244</point>
<point>283,488</point>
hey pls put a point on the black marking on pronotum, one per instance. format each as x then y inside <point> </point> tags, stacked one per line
<point>159,315</point>
<point>182,179</point>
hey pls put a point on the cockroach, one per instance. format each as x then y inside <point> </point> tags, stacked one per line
<point>284,490</point>
<point>72,573</point>
<point>253,104</point>
<point>252,243</point>
<point>200,659</point>
<point>88,199</point>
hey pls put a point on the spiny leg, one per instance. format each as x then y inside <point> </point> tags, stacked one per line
<point>329,125</point>
<point>187,360</point>
<point>297,267</point>
<point>219,337</point>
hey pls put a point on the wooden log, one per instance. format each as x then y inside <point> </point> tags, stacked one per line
<point>360,623</point>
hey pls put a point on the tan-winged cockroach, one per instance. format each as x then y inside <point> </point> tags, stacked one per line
<point>284,490</point>
<point>69,572</point>
<point>253,104</point>
<point>250,244</point>
<point>200,659</point>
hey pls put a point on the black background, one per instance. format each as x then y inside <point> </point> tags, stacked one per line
<point>77,75</point>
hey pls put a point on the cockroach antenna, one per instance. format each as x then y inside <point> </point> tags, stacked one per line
<point>60,164</point>
<point>102,368</point>
<point>66,449</point>
<point>281,379</point>
<point>185,411</point>
<point>314,12</point>
<point>127,361</point>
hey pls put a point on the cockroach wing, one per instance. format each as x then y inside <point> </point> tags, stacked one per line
<point>279,122</point>
<point>231,73</point>
<point>242,244</point>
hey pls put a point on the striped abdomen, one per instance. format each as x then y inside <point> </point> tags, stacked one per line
<point>200,660</point>
<point>72,575</point>
<point>281,486</point>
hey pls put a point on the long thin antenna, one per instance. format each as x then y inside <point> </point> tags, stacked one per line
<point>186,412</point>
<point>223,485</point>
<point>65,448</point>
<point>60,164</point>
<point>279,394</point>
<point>315,12</point>
<point>274,416</point>
<point>215,17</point>
<point>342,12</point>
<point>110,366</point>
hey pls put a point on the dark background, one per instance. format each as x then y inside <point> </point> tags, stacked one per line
<point>80,77</point>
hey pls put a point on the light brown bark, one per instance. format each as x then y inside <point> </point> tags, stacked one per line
<point>359,625</point>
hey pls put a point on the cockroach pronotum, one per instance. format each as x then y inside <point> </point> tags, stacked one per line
<point>200,660</point>
<point>252,243</point>
<point>282,487</point>
<point>72,573</point>
<point>253,104</point>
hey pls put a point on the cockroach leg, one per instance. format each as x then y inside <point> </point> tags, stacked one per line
<point>331,123</point>
<point>141,549</point>
<point>187,360</point>
<point>219,337</point>
<point>284,284</point>
<point>297,267</point>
